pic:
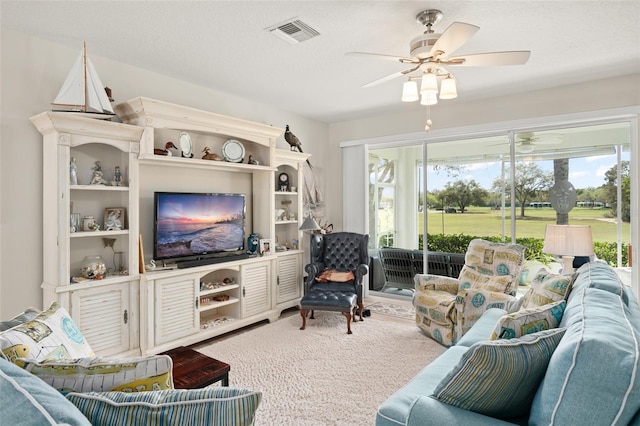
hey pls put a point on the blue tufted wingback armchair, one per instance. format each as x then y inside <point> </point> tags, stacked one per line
<point>339,261</point>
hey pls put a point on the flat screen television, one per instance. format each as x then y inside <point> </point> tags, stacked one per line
<point>197,225</point>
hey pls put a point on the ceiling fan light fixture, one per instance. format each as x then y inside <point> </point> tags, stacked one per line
<point>525,148</point>
<point>410,91</point>
<point>429,98</point>
<point>448,88</point>
<point>429,83</point>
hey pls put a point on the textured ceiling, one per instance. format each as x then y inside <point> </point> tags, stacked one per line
<point>223,45</point>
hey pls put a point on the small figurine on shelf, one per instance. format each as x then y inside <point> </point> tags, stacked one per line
<point>208,155</point>
<point>252,161</point>
<point>117,177</point>
<point>97,178</point>
<point>73,172</point>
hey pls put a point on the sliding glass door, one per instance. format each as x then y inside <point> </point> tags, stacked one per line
<point>504,186</point>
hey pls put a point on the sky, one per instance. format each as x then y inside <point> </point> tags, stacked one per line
<point>583,172</point>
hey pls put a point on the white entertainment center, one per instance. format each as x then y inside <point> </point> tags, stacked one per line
<point>129,312</point>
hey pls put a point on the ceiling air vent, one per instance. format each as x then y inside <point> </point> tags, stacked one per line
<point>293,31</point>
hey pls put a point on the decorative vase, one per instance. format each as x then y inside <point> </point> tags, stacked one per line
<point>88,222</point>
<point>94,268</point>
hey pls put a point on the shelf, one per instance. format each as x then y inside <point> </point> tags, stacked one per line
<point>224,166</point>
<point>216,305</point>
<point>219,289</point>
<point>286,222</point>
<point>112,279</point>
<point>286,193</point>
<point>89,234</point>
<point>98,188</point>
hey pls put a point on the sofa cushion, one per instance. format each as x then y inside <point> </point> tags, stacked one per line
<point>499,377</point>
<point>215,406</point>
<point>527,321</point>
<point>546,288</point>
<point>482,329</point>
<point>52,334</point>
<point>27,315</point>
<point>594,375</point>
<point>138,374</point>
<point>396,408</point>
<point>26,400</point>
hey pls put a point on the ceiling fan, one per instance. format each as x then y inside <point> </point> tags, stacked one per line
<point>431,53</point>
<point>526,141</point>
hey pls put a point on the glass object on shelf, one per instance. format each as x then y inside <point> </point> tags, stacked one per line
<point>73,172</point>
<point>94,268</point>
<point>76,221</point>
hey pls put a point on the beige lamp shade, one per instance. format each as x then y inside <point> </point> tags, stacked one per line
<point>568,241</point>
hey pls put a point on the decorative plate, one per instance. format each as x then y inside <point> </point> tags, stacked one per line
<point>233,151</point>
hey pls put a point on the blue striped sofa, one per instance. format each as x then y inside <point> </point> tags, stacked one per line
<point>591,375</point>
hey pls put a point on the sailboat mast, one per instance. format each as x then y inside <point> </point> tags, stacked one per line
<point>84,75</point>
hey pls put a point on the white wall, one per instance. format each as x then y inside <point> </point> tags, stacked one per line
<point>33,70</point>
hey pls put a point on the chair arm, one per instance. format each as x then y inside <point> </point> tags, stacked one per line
<point>473,302</point>
<point>435,282</point>
<point>313,269</point>
<point>361,271</point>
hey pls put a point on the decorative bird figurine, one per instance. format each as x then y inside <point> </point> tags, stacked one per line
<point>295,143</point>
<point>208,155</point>
<point>165,151</point>
<point>252,161</point>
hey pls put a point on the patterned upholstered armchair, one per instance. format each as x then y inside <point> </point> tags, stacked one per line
<point>339,262</point>
<point>446,308</point>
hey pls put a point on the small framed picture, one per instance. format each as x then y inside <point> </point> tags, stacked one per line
<point>266,247</point>
<point>115,218</point>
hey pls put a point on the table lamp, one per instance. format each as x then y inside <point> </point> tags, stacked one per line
<point>568,241</point>
<point>310,225</point>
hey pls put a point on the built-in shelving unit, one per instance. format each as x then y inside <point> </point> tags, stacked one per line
<point>128,312</point>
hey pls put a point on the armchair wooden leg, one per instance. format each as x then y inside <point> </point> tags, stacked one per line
<point>348,315</point>
<point>303,314</point>
<point>361,309</point>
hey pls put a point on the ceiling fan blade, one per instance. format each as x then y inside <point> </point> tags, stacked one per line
<point>381,56</point>
<point>516,57</point>
<point>390,77</point>
<point>453,37</point>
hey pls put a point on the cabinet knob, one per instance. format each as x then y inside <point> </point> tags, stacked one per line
<point>126,316</point>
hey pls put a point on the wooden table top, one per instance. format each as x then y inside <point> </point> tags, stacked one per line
<point>192,369</point>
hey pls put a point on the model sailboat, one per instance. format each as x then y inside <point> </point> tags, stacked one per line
<point>83,91</point>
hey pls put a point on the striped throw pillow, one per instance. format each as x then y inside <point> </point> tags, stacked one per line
<point>499,378</point>
<point>214,406</point>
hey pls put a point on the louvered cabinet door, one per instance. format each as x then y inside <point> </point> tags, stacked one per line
<point>175,307</point>
<point>289,280</point>
<point>256,288</point>
<point>103,315</point>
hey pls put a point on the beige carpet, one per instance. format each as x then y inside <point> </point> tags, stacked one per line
<point>322,376</point>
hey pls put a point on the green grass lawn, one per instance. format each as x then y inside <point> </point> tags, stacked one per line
<point>482,221</point>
